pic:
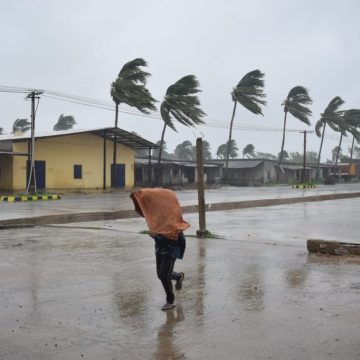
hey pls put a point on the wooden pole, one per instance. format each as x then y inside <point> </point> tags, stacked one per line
<point>200,185</point>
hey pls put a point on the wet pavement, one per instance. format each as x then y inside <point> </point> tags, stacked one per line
<point>96,202</point>
<point>89,290</point>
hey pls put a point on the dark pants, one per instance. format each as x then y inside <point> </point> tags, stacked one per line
<point>165,272</point>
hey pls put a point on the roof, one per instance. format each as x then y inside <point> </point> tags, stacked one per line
<point>242,163</point>
<point>185,163</point>
<point>122,136</point>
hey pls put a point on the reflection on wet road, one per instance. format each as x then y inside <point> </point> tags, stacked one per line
<point>254,293</point>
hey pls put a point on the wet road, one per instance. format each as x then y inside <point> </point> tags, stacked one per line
<point>95,202</point>
<point>89,291</point>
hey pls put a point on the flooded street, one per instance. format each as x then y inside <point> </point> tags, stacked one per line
<point>90,291</point>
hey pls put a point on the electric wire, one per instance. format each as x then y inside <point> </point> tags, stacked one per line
<point>107,105</point>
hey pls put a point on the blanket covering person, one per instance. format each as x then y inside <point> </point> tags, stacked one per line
<point>163,215</point>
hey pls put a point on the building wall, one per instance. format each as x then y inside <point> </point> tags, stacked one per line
<point>6,171</point>
<point>63,152</point>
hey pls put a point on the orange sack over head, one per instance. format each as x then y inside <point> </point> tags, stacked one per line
<point>161,210</point>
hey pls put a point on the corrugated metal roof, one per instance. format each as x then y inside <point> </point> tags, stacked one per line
<point>185,163</point>
<point>122,136</point>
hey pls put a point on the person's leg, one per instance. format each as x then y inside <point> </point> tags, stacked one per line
<point>164,267</point>
<point>179,277</point>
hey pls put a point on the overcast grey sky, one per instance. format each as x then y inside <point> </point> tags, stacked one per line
<point>78,47</point>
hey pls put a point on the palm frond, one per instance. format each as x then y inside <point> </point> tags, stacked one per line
<point>334,105</point>
<point>352,117</point>
<point>130,87</point>
<point>296,103</point>
<point>181,103</point>
<point>249,92</point>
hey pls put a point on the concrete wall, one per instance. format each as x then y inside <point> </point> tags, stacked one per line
<point>63,152</point>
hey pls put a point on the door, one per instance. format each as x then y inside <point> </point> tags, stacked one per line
<point>117,175</point>
<point>39,173</point>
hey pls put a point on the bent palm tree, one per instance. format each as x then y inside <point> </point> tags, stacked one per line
<point>249,150</point>
<point>64,123</point>
<point>183,151</point>
<point>296,104</point>
<point>332,117</point>
<point>130,88</point>
<point>22,124</point>
<point>249,93</point>
<point>181,104</point>
<point>352,119</point>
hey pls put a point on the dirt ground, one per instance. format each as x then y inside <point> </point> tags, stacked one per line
<point>89,290</point>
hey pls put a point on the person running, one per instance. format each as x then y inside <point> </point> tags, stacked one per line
<point>163,215</point>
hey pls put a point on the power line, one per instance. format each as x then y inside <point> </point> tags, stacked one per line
<point>107,105</point>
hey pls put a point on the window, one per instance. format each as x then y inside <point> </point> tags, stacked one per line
<point>77,171</point>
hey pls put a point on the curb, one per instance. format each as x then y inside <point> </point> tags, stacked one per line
<point>29,198</point>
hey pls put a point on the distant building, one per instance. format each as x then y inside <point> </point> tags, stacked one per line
<point>173,172</point>
<point>71,159</point>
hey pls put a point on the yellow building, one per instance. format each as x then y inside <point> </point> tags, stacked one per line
<point>72,159</point>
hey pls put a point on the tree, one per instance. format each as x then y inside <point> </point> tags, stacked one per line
<point>184,150</point>
<point>1,130</point>
<point>130,88</point>
<point>221,152</point>
<point>332,117</point>
<point>224,149</point>
<point>206,151</point>
<point>296,104</point>
<point>262,155</point>
<point>248,93</point>
<point>335,152</point>
<point>64,123</point>
<point>155,152</point>
<point>249,150</point>
<point>283,154</point>
<point>22,124</point>
<point>352,121</point>
<point>181,104</point>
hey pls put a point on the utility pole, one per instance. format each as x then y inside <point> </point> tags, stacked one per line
<point>32,173</point>
<point>200,185</point>
<point>304,160</point>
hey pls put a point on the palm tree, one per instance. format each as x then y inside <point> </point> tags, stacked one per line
<point>249,150</point>
<point>183,151</point>
<point>1,130</point>
<point>130,88</point>
<point>352,120</point>
<point>205,149</point>
<point>22,124</point>
<point>296,104</point>
<point>221,152</point>
<point>334,118</point>
<point>182,104</point>
<point>64,123</point>
<point>248,93</point>
<point>283,155</point>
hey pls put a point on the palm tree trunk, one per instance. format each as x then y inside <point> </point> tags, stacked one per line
<point>319,155</point>
<point>338,150</point>
<point>160,152</point>
<point>337,155</point>
<point>351,153</point>
<point>115,144</point>
<point>283,139</point>
<point>229,142</point>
